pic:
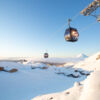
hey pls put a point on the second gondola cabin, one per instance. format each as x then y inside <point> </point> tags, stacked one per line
<point>46,55</point>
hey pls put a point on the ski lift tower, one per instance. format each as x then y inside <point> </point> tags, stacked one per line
<point>92,8</point>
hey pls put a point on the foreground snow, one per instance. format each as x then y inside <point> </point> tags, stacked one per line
<point>33,80</point>
<point>88,90</point>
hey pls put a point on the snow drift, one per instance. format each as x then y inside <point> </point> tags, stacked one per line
<point>89,90</point>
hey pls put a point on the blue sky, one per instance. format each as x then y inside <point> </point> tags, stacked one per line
<point>30,27</point>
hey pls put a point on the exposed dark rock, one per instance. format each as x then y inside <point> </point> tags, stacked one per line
<point>13,70</point>
<point>1,68</point>
<point>67,92</point>
<point>51,98</point>
<point>74,76</point>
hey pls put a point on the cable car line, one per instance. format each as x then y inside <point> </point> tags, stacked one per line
<point>86,27</point>
<point>72,19</point>
<point>71,34</point>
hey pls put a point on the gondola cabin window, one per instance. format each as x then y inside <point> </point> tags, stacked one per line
<point>71,34</point>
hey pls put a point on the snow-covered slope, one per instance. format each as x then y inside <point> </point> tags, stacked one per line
<point>85,90</point>
<point>90,63</point>
<point>33,80</point>
<point>88,90</point>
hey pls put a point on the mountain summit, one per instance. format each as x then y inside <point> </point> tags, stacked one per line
<point>81,56</point>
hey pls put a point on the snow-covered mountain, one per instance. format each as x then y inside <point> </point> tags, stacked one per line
<point>81,56</point>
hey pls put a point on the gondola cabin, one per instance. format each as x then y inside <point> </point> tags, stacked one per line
<point>71,34</point>
<point>46,55</point>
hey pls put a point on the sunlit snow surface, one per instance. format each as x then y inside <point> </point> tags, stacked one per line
<point>89,89</point>
<point>34,79</point>
<point>28,83</point>
<point>48,82</point>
